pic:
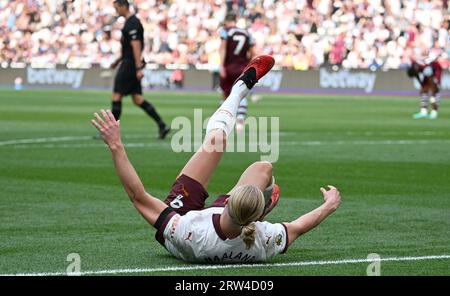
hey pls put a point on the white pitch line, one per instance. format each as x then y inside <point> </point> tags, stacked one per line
<point>85,138</point>
<point>78,138</point>
<point>44,140</point>
<point>95,145</point>
<point>233,266</point>
<point>57,139</point>
<point>290,143</point>
<point>365,142</point>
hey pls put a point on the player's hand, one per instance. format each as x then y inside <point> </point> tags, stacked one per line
<point>332,197</point>
<point>139,74</point>
<point>108,127</point>
<point>222,72</point>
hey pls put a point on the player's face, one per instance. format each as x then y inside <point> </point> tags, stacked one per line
<point>230,24</point>
<point>119,9</point>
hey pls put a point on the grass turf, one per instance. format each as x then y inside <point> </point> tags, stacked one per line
<point>62,196</point>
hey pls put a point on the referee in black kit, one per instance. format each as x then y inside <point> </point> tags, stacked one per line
<point>130,73</point>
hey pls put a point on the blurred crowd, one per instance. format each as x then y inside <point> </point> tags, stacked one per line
<point>300,34</point>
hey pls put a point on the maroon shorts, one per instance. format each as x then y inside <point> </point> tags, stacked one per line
<point>233,72</point>
<point>429,85</point>
<point>186,195</point>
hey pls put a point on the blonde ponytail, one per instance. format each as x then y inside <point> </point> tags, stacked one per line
<point>246,205</point>
<point>248,234</point>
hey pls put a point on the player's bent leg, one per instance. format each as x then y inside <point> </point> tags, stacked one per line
<point>260,175</point>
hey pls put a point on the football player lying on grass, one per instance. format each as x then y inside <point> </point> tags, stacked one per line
<point>232,228</point>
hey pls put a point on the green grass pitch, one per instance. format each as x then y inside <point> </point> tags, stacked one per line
<point>61,195</point>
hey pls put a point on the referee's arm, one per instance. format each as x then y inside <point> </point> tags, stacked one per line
<point>116,62</point>
<point>137,53</point>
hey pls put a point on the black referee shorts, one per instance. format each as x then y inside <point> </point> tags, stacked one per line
<point>126,82</point>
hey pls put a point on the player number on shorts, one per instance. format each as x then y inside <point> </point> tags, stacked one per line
<point>177,203</point>
<point>240,39</point>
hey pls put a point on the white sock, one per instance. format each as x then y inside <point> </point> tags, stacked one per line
<point>424,111</point>
<point>225,117</point>
<point>242,110</point>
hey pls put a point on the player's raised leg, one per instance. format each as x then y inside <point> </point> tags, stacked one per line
<point>203,163</point>
<point>242,114</point>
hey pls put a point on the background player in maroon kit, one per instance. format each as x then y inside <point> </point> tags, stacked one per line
<point>428,74</point>
<point>236,50</point>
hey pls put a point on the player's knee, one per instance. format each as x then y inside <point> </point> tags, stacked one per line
<point>264,167</point>
<point>138,102</point>
<point>116,97</point>
<point>215,140</point>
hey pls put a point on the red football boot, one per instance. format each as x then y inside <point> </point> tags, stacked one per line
<point>256,69</point>
<point>272,202</point>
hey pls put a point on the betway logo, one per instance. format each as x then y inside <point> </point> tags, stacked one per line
<point>55,77</point>
<point>156,78</point>
<point>346,79</point>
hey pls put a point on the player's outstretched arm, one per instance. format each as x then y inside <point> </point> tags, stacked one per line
<point>310,220</point>
<point>147,205</point>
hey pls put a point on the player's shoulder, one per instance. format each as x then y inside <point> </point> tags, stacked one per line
<point>223,32</point>
<point>265,228</point>
<point>134,21</point>
<point>203,214</point>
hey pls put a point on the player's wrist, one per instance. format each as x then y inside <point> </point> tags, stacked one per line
<point>139,66</point>
<point>329,206</point>
<point>116,146</point>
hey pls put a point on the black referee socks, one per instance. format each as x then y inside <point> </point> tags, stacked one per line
<point>150,110</point>
<point>117,109</point>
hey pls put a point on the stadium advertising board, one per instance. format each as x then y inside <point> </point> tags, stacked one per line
<point>347,79</point>
<point>54,77</point>
<point>322,80</point>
